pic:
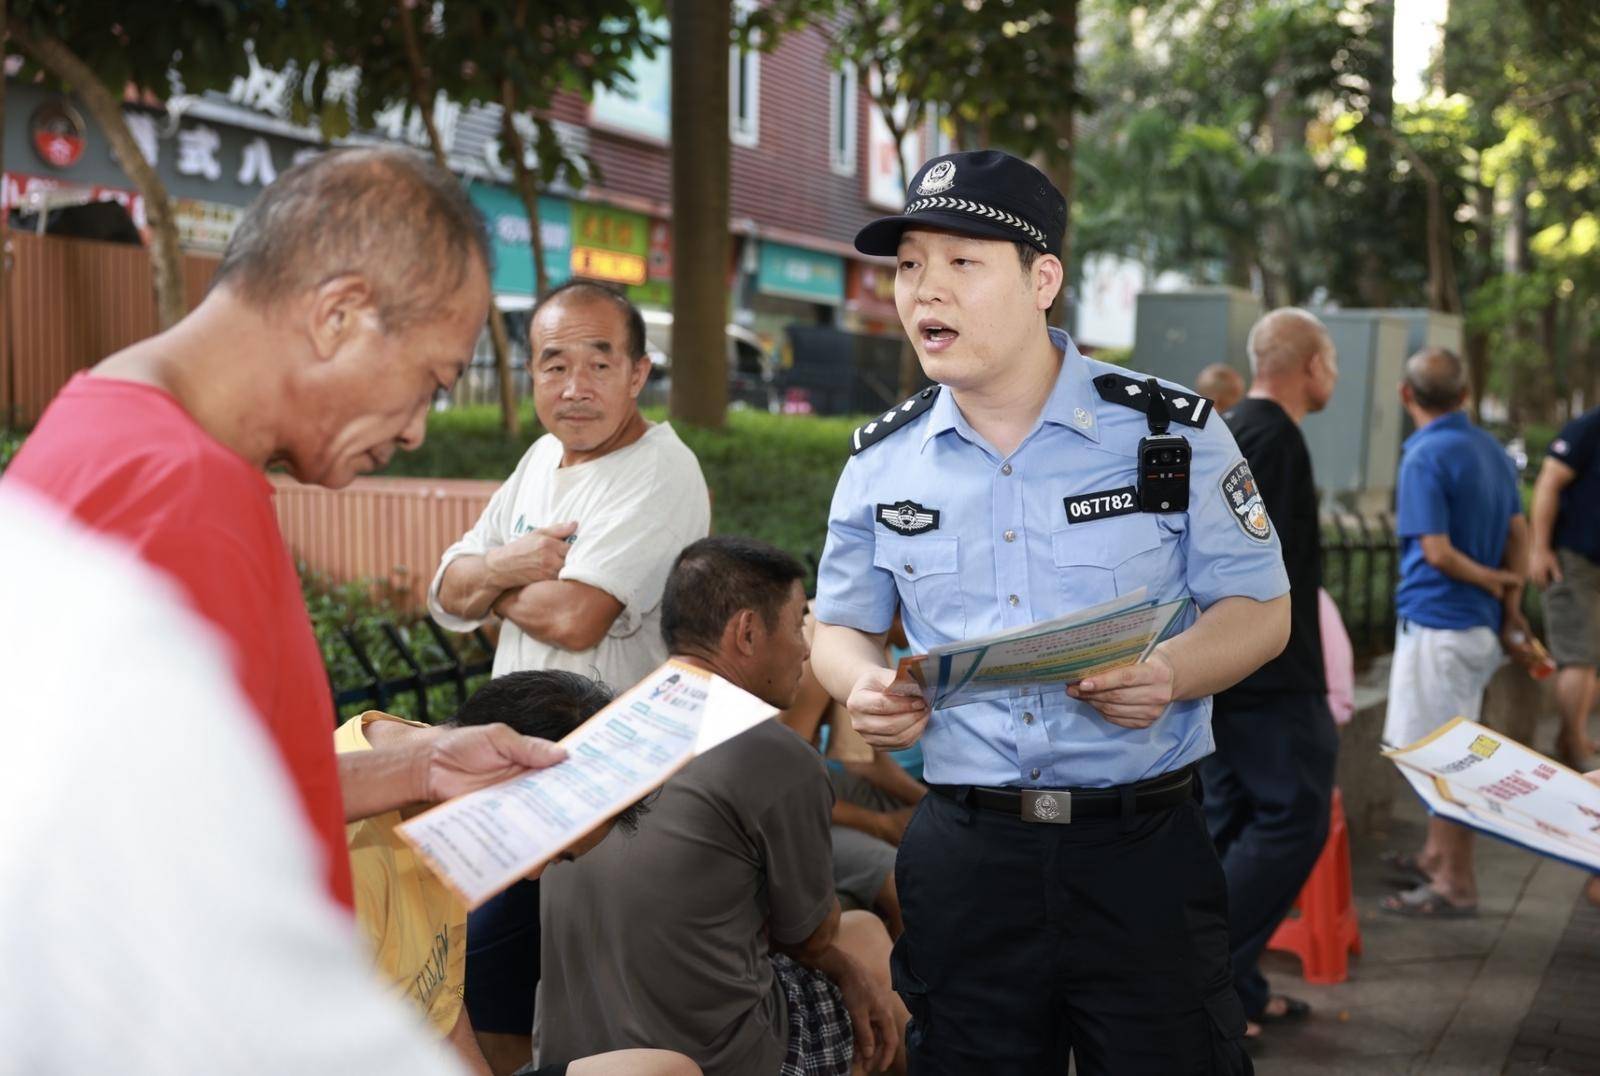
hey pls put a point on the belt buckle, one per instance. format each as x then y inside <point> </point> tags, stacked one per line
<point>1046,805</point>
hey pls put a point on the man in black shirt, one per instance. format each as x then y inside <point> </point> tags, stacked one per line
<point>1565,563</point>
<point>1268,786</point>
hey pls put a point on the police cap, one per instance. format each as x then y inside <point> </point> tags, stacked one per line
<point>986,193</point>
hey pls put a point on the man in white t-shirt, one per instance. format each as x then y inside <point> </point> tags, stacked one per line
<point>573,551</point>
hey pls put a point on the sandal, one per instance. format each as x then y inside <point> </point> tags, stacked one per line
<point>1426,902</point>
<point>1406,866</point>
<point>1293,1009</point>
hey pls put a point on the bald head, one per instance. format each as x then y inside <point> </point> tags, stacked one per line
<point>1221,384</point>
<point>1437,379</point>
<point>1282,342</point>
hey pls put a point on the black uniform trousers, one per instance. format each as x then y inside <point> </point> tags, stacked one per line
<point>1268,790</point>
<point>1103,938</point>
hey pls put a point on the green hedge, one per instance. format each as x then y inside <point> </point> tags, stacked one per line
<point>361,607</point>
<point>771,476</point>
<point>10,441</point>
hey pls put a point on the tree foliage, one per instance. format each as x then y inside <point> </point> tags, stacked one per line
<point>99,50</point>
<point>1257,143</point>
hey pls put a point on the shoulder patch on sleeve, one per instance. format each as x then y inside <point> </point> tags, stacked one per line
<point>1243,498</point>
<point>897,417</point>
<point>1183,407</point>
<point>1559,447</point>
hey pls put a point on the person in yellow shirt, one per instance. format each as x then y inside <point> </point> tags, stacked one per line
<point>415,927</point>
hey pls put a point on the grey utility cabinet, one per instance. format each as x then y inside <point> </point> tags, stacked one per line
<point>1429,328</point>
<point>1355,440</point>
<point>1178,333</point>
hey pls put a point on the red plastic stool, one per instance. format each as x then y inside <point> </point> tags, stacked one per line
<point>1321,929</point>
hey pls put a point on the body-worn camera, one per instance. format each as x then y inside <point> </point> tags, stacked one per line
<point>1164,473</point>
<point>1164,460</point>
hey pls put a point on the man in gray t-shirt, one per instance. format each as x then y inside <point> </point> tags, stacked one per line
<point>714,930</point>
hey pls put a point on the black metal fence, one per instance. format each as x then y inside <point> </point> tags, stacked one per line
<point>419,671</point>
<point>424,672</point>
<point>1360,568</point>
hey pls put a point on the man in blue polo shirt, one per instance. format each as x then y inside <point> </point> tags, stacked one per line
<point>1565,561</point>
<point>1463,544</point>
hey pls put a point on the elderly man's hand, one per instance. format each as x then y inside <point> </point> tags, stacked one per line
<point>1543,567</point>
<point>533,558</point>
<point>1134,696</point>
<point>885,719</point>
<point>456,761</point>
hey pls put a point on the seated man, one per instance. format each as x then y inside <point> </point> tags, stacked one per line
<point>874,796</point>
<point>715,930</point>
<point>416,927</point>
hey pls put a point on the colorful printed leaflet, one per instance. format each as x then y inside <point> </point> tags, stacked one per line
<point>482,842</point>
<point>1478,777</point>
<point>1040,657</point>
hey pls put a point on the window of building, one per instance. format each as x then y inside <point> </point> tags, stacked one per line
<point>744,96</point>
<point>744,88</point>
<point>842,121</point>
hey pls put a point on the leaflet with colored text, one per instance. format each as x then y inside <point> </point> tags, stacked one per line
<point>480,843</point>
<point>1483,779</point>
<point>1045,656</point>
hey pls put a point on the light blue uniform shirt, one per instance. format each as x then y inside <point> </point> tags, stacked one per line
<point>1003,555</point>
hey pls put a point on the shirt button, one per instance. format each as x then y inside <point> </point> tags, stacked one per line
<point>1034,773</point>
<point>909,569</point>
<point>1010,536</point>
<point>1027,719</point>
<point>1013,599</point>
<point>1005,468</point>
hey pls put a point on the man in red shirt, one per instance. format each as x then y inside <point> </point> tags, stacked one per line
<point>352,291</point>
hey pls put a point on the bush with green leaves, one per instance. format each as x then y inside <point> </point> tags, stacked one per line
<point>771,476</point>
<point>364,611</point>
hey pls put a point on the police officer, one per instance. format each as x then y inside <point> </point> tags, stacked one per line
<point>1012,491</point>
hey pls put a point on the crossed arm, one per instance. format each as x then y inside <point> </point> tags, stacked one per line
<point>520,582</point>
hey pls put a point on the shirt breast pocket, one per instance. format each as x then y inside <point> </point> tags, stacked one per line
<point>1107,558</point>
<point>927,574</point>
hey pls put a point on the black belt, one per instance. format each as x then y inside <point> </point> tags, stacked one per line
<point>1060,805</point>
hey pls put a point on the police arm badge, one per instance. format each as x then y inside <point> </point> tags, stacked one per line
<point>1243,498</point>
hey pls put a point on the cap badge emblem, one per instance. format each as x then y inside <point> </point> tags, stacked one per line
<point>938,178</point>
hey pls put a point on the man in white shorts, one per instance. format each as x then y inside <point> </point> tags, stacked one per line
<point>573,551</point>
<point>1463,547</point>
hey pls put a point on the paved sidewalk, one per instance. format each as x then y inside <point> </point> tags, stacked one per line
<point>1514,990</point>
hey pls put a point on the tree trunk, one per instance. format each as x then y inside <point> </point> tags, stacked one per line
<point>422,99</point>
<point>701,37</point>
<point>1286,131</point>
<point>527,183</point>
<point>1063,163</point>
<point>1514,263</point>
<point>8,376</point>
<point>165,258</point>
<point>1477,341</point>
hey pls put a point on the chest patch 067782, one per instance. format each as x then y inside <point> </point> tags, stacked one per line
<point>908,517</point>
<point>1243,497</point>
<point>1108,502</point>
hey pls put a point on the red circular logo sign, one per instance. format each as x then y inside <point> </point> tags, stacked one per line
<point>57,133</point>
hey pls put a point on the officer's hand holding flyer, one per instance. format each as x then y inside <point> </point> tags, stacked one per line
<point>480,843</point>
<point>1477,777</point>
<point>1045,656</point>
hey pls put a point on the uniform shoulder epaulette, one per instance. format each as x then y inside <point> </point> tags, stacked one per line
<point>895,418</point>
<point>1131,392</point>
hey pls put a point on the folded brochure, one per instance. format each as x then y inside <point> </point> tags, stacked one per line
<point>1048,655</point>
<point>1484,779</point>
<point>480,843</point>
